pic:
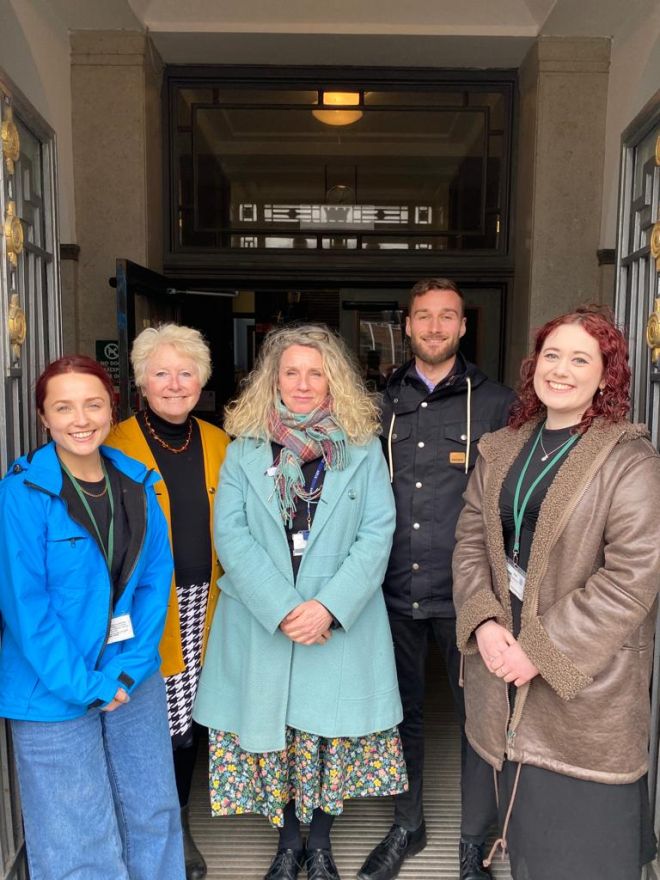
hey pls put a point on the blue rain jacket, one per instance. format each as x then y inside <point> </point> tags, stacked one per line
<point>56,595</point>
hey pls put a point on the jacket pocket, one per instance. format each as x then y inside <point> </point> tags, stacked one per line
<point>68,562</point>
<point>455,442</point>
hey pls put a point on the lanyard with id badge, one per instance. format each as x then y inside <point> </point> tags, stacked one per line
<point>121,627</point>
<point>301,538</point>
<point>517,575</point>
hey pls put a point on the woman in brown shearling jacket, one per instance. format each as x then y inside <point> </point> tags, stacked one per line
<point>556,572</point>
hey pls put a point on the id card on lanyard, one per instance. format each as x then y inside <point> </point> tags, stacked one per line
<point>517,575</point>
<point>121,626</point>
<point>301,538</point>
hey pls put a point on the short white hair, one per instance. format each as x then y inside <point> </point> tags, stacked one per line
<point>186,340</point>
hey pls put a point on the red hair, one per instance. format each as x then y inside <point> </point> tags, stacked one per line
<point>614,402</point>
<point>74,363</point>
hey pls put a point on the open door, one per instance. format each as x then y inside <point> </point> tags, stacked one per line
<point>146,298</point>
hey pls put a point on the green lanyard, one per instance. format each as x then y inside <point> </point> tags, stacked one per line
<point>109,553</point>
<point>519,512</point>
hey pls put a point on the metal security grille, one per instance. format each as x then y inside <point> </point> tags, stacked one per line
<point>29,304</point>
<point>638,313</point>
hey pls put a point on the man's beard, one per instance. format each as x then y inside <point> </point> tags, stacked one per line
<point>442,354</point>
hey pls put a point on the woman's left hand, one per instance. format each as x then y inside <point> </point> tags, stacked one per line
<point>120,698</point>
<point>513,665</point>
<point>307,623</point>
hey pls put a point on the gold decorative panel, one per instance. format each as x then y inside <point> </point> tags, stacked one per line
<point>11,142</point>
<point>13,233</point>
<point>17,325</point>
<point>655,244</point>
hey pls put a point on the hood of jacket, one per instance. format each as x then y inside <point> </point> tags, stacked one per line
<point>458,383</point>
<point>42,468</point>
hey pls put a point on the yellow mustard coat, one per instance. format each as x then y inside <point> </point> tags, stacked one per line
<point>128,437</point>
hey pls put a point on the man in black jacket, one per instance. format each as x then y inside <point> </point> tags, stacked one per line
<point>435,409</point>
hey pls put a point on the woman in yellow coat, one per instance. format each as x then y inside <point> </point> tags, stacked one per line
<point>171,365</point>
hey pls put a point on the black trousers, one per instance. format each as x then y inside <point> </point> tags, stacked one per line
<point>478,803</point>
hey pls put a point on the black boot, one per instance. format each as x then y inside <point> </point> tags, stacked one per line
<point>195,864</point>
<point>471,857</point>
<point>385,860</point>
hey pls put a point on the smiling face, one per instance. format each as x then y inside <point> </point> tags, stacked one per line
<point>171,384</point>
<point>301,380</point>
<point>435,327</point>
<point>569,372</point>
<point>78,413</point>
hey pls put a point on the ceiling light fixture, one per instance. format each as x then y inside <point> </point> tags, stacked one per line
<point>343,116</point>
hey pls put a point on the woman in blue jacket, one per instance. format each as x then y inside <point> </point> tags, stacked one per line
<point>299,684</point>
<point>85,572</point>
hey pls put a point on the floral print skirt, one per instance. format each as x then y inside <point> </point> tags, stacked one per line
<point>312,770</point>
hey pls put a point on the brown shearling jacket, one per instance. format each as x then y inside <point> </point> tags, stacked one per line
<point>588,612</point>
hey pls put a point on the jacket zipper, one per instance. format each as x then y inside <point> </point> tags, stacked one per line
<point>568,512</point>
<point>129,574</point>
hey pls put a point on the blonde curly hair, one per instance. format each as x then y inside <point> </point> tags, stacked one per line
<point>354,408</point>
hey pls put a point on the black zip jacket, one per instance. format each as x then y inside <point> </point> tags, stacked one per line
<point>430,442</point>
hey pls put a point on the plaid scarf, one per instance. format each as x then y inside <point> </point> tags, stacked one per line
<point>304,438</point>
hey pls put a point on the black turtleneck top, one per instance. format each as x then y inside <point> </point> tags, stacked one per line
<point>185,479</point>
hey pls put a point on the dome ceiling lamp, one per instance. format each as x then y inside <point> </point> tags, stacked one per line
<point>343,102</point>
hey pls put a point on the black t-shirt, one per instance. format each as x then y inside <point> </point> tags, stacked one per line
<point>99,504</point>
<point>551,441</point>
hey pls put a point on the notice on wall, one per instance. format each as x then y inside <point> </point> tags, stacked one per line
<point>107,354</point>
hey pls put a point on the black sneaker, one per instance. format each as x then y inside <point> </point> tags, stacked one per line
<point>471,857</point>
<point>385,860</point>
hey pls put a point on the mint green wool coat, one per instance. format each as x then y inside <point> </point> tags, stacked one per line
<point>255,680</point>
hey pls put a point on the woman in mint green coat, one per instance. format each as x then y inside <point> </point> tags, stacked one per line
<point>299,685</point>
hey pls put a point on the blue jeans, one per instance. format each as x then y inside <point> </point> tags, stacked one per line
<point>98,793</point>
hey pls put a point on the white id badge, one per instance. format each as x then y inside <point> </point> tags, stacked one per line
<point>300,542</point>
<point>517,579</point>
<point>121,629</point>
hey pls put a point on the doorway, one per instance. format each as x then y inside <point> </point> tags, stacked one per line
<point>370,320</point>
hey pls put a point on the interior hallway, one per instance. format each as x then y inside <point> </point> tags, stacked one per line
<point>241,847</point>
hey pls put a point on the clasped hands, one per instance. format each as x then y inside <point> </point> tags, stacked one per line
<point>502,654</point>
<point>308,623</point>
<point>119,699</point>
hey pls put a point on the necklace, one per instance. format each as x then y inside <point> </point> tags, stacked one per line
<point>175,449</point>
<point>93,494</point>
<point>546,455</point>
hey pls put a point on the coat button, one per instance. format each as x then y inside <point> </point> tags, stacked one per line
<point>17,469</point>
<point>424,404</point>
<point>396,400</point>
<point>418,485</point>
<point>421,444</point>
<point>415,566</point>
<point>394,436</point>
<point>352,494</point>
<point>415,526</point>
<point>463,436</point>
<point>415,604</point>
